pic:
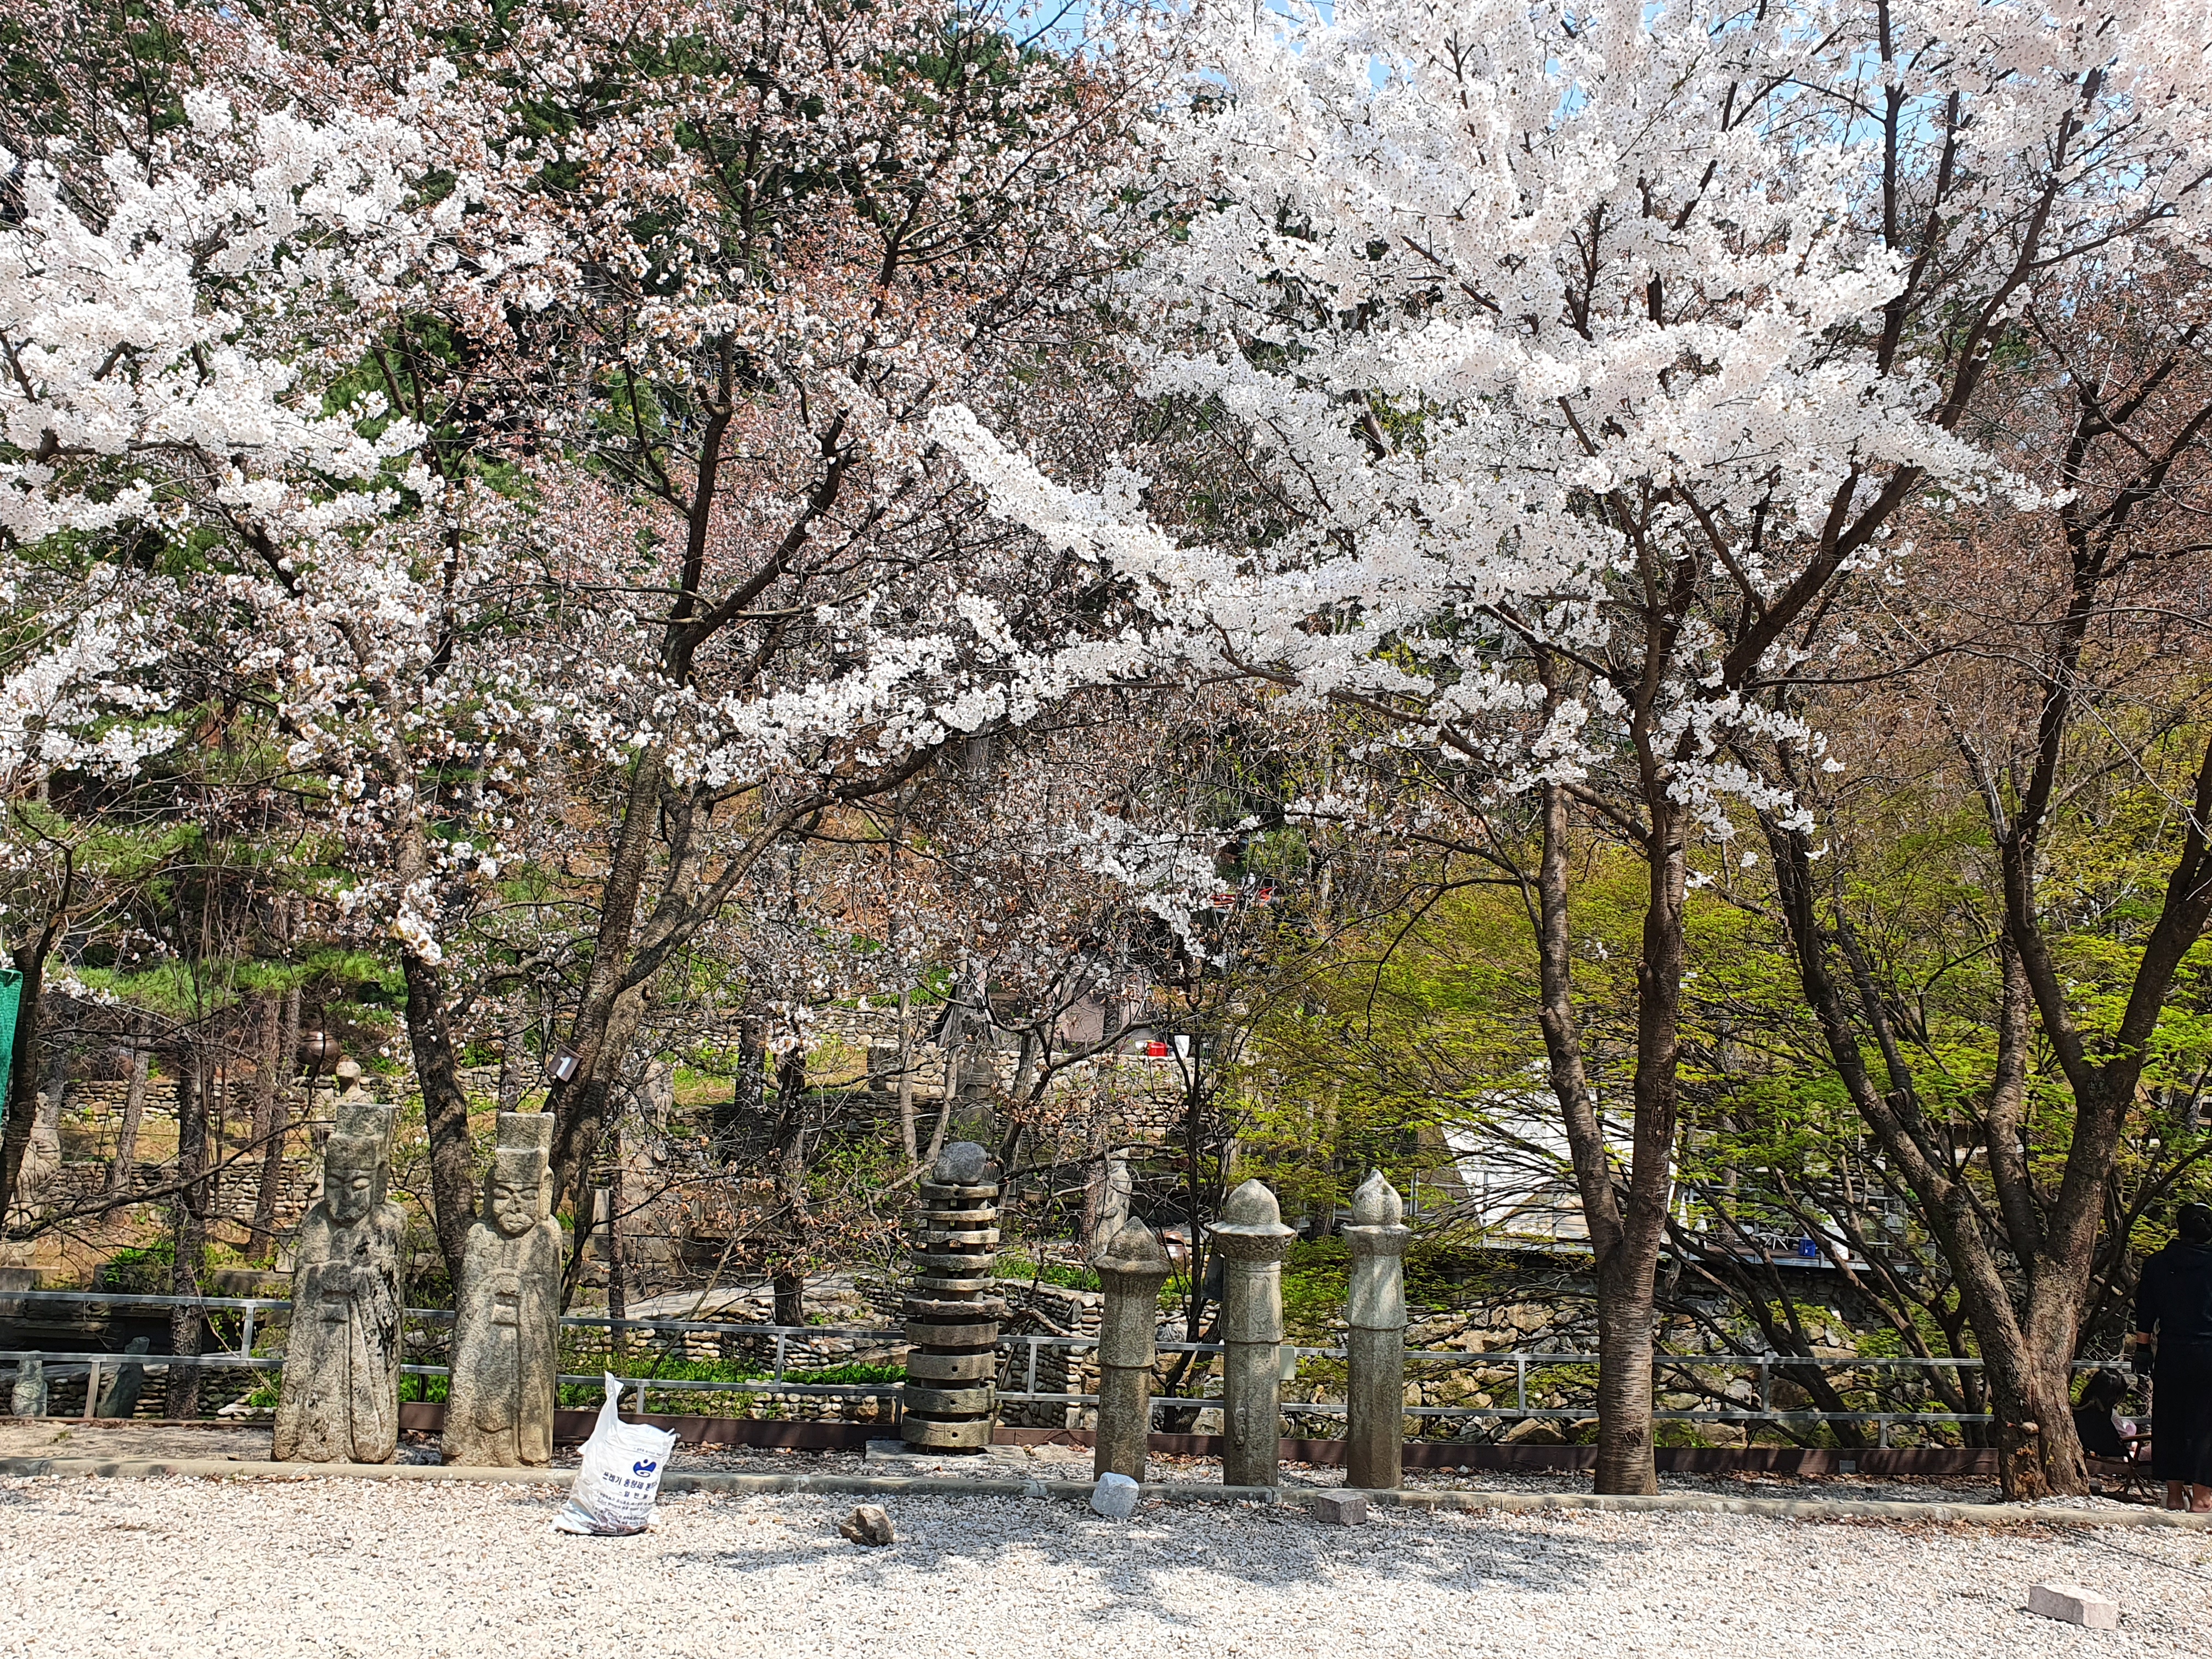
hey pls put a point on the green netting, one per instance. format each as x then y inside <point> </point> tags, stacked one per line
<point>11,999</point>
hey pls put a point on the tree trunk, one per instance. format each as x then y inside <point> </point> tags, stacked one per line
<point>2028,1399</point>
<point>1626,1299</point>
<point>578,1105</point>
<point>23,1102</point>
<point>788,1276</point>
<point>444,1110</point>
<point>617,1288</point>
<point>749,1089</point>
<point>188,1229</point>
<point>909,1138</point>
<point>512,1047</point>
<point>270,1126</point>
<point>125,1165</point>
<point>1625,1229</point>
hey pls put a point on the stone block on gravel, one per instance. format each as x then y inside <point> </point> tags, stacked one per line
<point>1114,1497</point>
<point>2070,1604</point>
<point>1340,1508</point>
<point>868,1524</point>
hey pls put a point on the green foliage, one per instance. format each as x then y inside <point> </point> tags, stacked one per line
<point>1014,1265</point>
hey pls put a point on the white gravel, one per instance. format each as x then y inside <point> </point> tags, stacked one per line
<point>337,1567</point>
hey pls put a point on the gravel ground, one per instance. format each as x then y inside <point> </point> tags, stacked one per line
<point>55,1438</point>
<point>345,1568</point>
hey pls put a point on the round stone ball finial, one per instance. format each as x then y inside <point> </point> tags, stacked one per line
<point>963,1163</point>
<point>1376,1203</point>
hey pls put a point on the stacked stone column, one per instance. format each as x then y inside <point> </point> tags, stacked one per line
<point>952,1318</point>
<point>1132,1269</point>
<point>1375,1450</point>
<point>1252,1241</point>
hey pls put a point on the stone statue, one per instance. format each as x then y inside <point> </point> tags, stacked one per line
<point>127,1387</point>
<point>507,1320</point>
<point>340,1399</point>
<point>28,1397</point>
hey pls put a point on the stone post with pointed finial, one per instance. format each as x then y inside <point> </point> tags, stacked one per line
<point>1374,1401</point>
<point>1252,1241</point>
<point>1132,1267</point>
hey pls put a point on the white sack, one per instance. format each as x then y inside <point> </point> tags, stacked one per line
<point>620,1475</point>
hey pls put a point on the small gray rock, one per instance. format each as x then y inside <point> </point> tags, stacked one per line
<point>1340,1508</point>
<point>963,1163</point>
<point>868,1524</point>
<point>1114,1497</point>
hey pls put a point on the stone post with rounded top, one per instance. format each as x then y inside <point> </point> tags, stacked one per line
<point>1252,1241</point>
<point>1132,1268</point>
<point>1374,1442</point>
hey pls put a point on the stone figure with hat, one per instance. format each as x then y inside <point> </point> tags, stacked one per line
<point>507,1320</point>
<point>340,1399</point>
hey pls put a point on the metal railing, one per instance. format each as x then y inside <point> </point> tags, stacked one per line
<point>783,1336</point>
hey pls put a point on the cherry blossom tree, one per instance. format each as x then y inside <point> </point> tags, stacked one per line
<point>1577,359</point>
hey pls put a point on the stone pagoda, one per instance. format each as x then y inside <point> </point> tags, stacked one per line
<point>952,1317</point>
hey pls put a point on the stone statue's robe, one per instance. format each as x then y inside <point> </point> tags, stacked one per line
<point>507,1344</point>
<point>339,1402</point>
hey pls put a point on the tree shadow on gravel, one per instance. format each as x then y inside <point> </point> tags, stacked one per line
<point>1130,1566</point>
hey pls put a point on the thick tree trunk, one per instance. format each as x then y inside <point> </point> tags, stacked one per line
<point>444,1110</point>
<point>126,1164</point>
<point>580,1105</point>
<point>1626,1210</point>
<point>188,1234</point>
<point>1625,1308</point>
<point>23,1102</point>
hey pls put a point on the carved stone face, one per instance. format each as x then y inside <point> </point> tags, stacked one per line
<point>347,1193</point>
<point>513,1206</point>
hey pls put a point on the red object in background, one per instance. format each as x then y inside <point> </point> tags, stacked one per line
<point>1156,1049</point>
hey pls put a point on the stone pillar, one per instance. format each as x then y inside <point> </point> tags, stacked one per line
<point>1374,1439</point>
<point>338,1402</point>
<point>121,1396</point>
<point>1252,1241</point>
<point>1133,1267</point>
<point>952,1319</point>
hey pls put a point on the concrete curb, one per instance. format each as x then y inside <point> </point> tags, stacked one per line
<point>867,1485</point>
